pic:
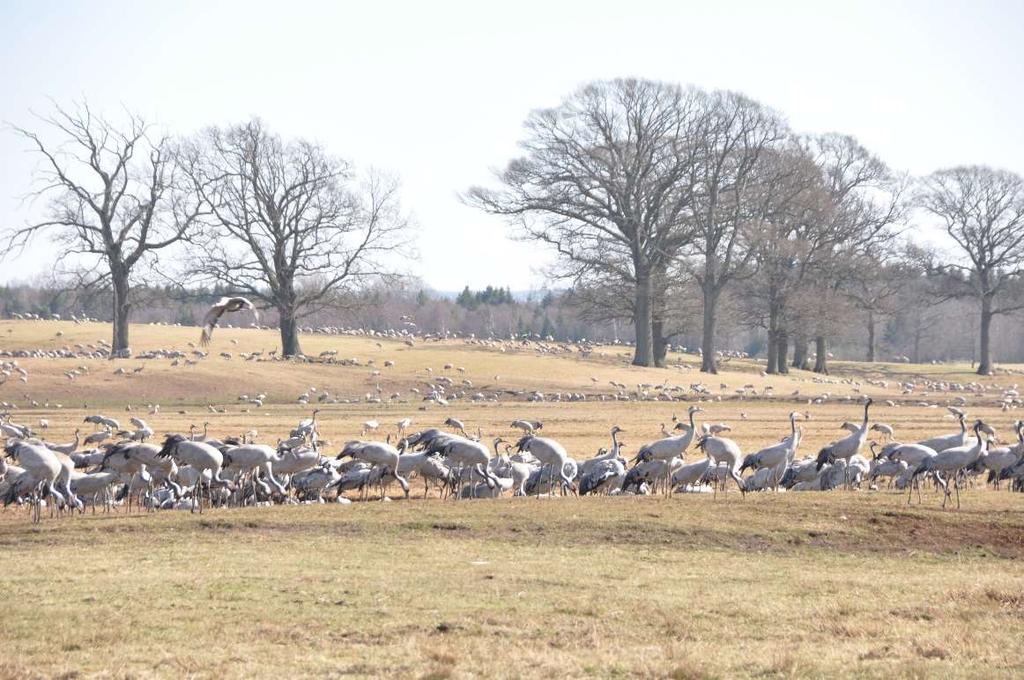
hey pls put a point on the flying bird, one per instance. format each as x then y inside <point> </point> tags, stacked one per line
<point>226,304</point>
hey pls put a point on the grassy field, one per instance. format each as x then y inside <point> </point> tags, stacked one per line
<point>789,585</point>
<point>805,585</point>
<point>185,393</point>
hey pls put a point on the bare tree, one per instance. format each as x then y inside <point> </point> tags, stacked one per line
<point>786,244</point>
<point>604,182</point>
<point>874,287</point>
<point>866,207</point>
<point>835,218</point>
<point>917,312</point>
<point>291,226</point>
<point>114,200</point>
<point>735,133</point>
<point>982,211</point>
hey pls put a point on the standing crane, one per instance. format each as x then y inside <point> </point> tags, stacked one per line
<point>778,456</point>
<point>952,462</point>
<point>548,452</point>
<point>376,453</point>
<point>849,446</point>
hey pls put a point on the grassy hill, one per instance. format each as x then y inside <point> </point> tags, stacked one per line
<point>186,393</point>
<point>789,585</point>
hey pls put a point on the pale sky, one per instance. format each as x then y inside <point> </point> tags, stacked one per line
<point>437,91</point>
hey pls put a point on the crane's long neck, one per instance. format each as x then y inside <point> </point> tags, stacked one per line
<point>269,472</point>
<point>864,425</point>
<point>692,426</point>
<point>615,442</point>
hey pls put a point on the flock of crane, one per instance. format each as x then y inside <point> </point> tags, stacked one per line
<point>120,467</point>
<point>187,472</point>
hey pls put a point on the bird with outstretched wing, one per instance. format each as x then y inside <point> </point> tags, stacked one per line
<point>226,304</point>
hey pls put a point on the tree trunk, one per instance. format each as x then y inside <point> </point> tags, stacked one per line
<point>659,342</point>
<point>871,336</point>
<point>821,361</point>
<point>782,347</point>
<point>773,340</point>
<point>289,333</point>
<point>708,359</point>
<point>772,352</point>
<point>122,309</point>
<point>644,353</point>
<point>985,342</point>
<point>800,353</point>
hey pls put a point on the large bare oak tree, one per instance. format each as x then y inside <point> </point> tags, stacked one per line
<point>604,182</point>
<point>982,211</point>
<point>114,200</point>
<point>292,226</point>
<point>735,134</point>
<point>866,206</point>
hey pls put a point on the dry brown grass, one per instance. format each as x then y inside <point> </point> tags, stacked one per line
<point>185,392</point>
<point>801,585</point>
<point>790,585</point>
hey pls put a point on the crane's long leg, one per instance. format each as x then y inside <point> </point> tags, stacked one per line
<point>55,495</point>
<point>151,495</point>
<point>945,487</point>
